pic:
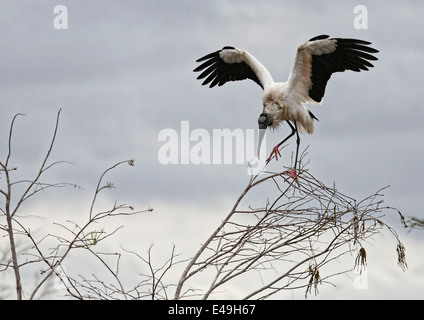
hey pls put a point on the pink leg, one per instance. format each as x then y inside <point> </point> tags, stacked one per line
<point>292,174</point>
<point>275,152</point>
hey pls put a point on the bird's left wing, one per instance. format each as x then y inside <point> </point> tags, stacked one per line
<point>232,64</point>
<point>320,57</point>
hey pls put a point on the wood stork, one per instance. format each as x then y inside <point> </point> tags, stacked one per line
<point>316,60</point>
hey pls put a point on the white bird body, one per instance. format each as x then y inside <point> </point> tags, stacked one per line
<point>283,106</point>
<point>316,60</point>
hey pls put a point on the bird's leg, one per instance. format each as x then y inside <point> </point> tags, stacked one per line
<point>275,150</point>
<point>293,173</point>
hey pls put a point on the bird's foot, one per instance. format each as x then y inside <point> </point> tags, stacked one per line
<point>275,152</point>
<point>292,174</point>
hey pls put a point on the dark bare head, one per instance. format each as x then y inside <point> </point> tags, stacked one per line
<point>265,120</point>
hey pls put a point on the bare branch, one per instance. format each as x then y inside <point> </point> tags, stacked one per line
<point>306,226</point>
<point>42,168</point>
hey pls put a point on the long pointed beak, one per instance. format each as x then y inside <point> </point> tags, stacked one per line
<point>260,138</point>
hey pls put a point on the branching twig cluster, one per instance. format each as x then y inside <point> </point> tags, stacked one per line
<point>74,237</point>
<point>287,242</point>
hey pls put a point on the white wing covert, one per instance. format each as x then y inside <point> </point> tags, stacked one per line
<point>232,64</point>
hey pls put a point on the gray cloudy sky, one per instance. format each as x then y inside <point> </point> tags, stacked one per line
<point>122,72</point>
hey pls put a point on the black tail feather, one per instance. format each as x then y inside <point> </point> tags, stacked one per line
<point>312,116</point>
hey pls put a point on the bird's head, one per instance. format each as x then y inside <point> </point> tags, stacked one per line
<point>265,120</point>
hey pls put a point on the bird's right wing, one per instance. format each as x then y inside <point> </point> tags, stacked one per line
<point>232,64</point>
<point>320,57</point>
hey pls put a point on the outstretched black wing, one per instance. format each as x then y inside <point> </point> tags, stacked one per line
<point>349,54</point>
<point>320,57</point>
<point>225,65</point>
